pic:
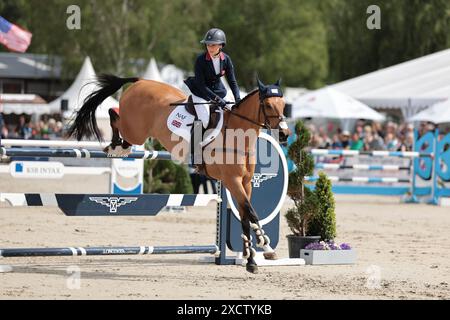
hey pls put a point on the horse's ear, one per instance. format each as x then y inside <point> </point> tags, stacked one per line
<point>278,83</point>
<point>261,85</point>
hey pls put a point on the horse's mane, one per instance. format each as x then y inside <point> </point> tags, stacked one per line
<point>246,97</point>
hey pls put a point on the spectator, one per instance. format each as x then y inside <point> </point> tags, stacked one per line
<point>345,139</point>
<point>323,143</point>
<point>326,140</point>
<point>312,128</point>
<point>422,129</point>
<point>391,142</point>
<point>402,143</point>
<point>391,127</point>
<point>377,130</point>
<point>319,143</point>
<point>2,122</point>
<point>316,141</point>
<point>23,129</point>
<point>360,128</point>
<point>4,132</point>
<point>357,142</point>
<point>367,131</point>
<point>410,128</point>
<point>409,141</point>
<point>370,142</point>
<point>336,142</point>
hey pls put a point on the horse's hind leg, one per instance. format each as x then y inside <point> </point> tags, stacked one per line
<point>118,147</point>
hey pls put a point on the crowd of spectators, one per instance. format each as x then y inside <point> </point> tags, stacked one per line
<point>368,137</point>
<point>46,128</point>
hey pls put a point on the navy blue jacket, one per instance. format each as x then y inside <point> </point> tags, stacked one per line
<point>206,83</point>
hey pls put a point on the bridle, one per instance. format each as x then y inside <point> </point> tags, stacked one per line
<point>262,108</point>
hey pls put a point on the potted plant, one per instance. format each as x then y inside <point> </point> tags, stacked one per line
<point>300,216</point>
<point>323,223</point>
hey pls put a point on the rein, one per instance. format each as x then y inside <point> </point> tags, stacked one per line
<point>266,123</point>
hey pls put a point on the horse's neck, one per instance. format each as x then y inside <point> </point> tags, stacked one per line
<point>249,109</point>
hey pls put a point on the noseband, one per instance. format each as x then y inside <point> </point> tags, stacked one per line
<point>263,106</point>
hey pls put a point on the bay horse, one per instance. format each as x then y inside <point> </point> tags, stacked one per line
<point>144,108</point>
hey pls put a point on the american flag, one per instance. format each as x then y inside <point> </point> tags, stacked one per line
<point>13,37</point>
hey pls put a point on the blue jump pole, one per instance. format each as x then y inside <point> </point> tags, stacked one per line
<point>401,154</point>
<point>105,251</point>
<point>79,153</point>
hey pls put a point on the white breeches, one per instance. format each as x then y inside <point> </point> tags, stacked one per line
<point>202,110</point>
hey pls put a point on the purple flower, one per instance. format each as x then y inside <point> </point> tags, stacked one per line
<point>315,246</point>
<point>330,245</point>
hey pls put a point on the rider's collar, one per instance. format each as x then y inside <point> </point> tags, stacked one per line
<point>208,56</point>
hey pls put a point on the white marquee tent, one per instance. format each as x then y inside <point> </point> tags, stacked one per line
<point>438,113</point>
<point>152,72</point>
<point>330,103</point>
<point>80,89</point>
<point>410,86</point>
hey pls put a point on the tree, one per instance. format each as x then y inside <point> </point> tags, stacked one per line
<point>323,222</point>
<point>275,38</point>
<point>305,200</point>
<point>409,29</point>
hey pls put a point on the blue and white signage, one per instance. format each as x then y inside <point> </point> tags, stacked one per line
<point>36,169</point>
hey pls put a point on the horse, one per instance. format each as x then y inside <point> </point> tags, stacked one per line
<point>144,108</point>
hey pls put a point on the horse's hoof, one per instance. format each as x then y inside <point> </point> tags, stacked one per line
<point>124,152</point>
<point>270,255</point>
<point>252,268</point>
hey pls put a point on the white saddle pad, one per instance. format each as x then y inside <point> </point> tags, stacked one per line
<point>180,123</point>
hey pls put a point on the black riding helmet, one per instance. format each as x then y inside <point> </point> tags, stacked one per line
<point>215,36</point>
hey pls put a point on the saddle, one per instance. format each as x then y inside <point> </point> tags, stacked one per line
<point>214,117</point>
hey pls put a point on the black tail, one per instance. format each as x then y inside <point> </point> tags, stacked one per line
<point>85,124</point>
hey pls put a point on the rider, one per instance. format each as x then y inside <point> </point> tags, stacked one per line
<point>207,86</point>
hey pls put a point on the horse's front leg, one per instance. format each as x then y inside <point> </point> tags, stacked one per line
<point>262,240</point>
<point>236,188</point>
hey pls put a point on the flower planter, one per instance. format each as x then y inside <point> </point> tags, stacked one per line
<point>318,257</point>
<point>296,243</point>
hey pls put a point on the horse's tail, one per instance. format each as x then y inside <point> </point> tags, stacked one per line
<point>85,124</point>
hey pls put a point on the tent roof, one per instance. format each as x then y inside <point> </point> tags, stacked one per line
<point>438,113</point>
<point>152,72</point>
<point>292,94</point>
<point>80,89</point>
<point>29,66</point>
<point>416,83</point>
<point>23,103</point>
<point>330,103</point>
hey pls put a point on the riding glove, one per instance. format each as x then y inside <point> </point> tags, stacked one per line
<point>220,102</point>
